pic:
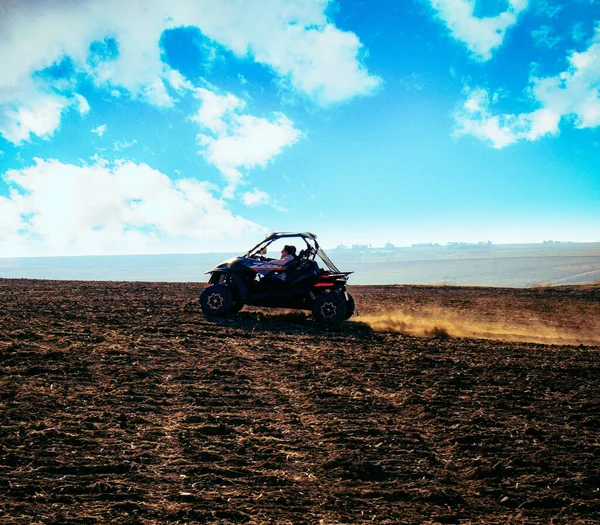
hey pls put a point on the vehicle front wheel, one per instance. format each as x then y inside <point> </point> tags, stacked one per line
<point>329,308</point>
<point>216,300</point>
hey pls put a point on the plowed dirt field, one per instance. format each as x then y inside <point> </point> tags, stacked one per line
<point>122,403</point>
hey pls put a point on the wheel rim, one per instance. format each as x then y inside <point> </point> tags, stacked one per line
<point>328,310</point>
<point>215,301</point>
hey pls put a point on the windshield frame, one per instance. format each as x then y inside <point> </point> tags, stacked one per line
<point>312,247</point>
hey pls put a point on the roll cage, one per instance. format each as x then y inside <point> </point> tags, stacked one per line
<point>311,251</point>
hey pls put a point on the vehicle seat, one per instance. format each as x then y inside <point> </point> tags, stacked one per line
<point>300,269</point>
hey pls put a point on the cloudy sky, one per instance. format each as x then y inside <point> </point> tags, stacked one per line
<point>146,126</point>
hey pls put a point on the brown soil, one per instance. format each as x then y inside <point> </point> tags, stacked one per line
<point>122,403</point>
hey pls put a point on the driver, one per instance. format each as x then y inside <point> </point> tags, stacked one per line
<point>288,254</point>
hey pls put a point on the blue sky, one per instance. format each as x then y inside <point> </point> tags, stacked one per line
<point>196,126</point>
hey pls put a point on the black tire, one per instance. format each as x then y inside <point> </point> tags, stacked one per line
<point>350,306</point>
<point>216,300</point>
<point>329,308</point>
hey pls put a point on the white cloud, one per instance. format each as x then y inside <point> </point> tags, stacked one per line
<point>11,220</point>
<point>156,93</point>
<point>178,81</point>
<point>480,35</point>
<point>475,118</point>
<point>251,142</point>
<point>293,38</point>
<point>215,109</point>
<point>121,145</point>
<point>40,116</point>
<point>239,141</point>
<point>82,104</point>
<point>100,130</point>
<point>573,94</point>
<point>255,197</point>
<point>64,209</point>
<point>320,62</point>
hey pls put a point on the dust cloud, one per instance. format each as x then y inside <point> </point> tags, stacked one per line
<point>444,323</point>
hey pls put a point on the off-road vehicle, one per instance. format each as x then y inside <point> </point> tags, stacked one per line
<point>309,282</point>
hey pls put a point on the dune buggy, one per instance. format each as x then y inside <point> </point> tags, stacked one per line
<point>309,282</point>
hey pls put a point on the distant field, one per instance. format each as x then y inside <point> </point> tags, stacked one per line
<point>120,403</point>
<point>466,265</point>
<point>515,272</point>
<point>502,265</point>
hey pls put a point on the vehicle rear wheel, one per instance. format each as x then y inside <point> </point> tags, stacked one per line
<point>350,305</point>
<point>329,308</point>
<point>216,300</point>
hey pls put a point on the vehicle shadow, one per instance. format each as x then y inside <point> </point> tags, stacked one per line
<point>288,322</point>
